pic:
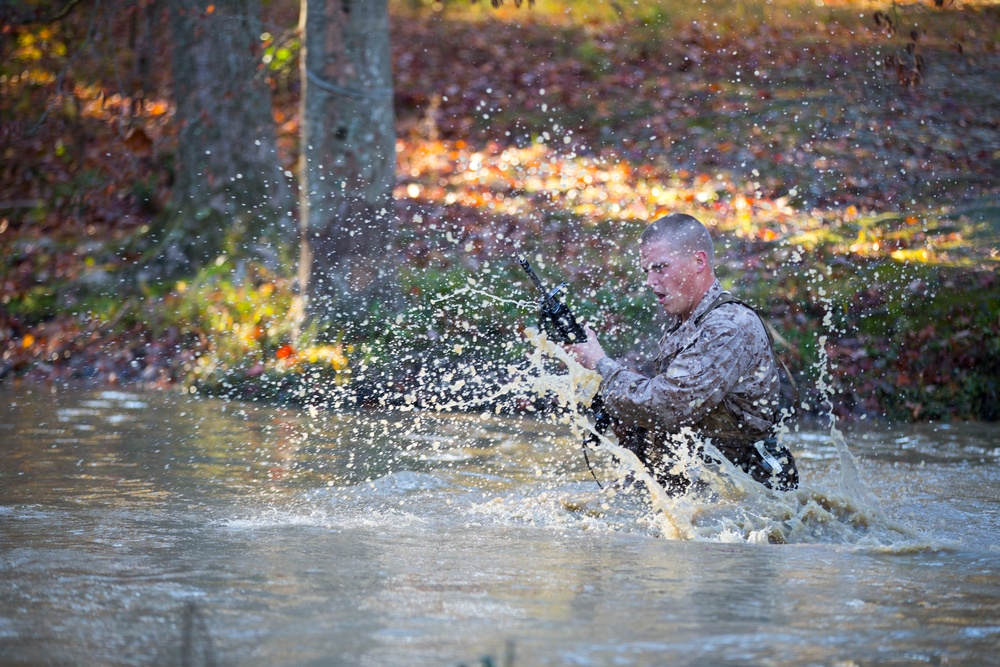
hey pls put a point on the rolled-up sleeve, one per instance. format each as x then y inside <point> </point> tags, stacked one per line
<point>693,384</point>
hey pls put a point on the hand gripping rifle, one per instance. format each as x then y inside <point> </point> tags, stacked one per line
<point>558,322</point>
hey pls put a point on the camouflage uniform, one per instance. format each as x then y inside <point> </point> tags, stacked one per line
<point>716,374</point>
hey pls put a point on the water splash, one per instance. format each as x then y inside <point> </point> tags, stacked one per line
<point>850,483</point>
<point>729,506</point>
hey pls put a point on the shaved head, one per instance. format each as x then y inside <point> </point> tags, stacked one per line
<point>676,255</point>
<point>682,232</point>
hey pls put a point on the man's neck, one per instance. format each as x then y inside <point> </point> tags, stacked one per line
<point>701,297</point>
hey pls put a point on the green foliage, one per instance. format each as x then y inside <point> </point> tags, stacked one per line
<point>36,304</point>
<point>905,340</point>
<point>592,57</point>
<point>280,55</point>
<point>244,317</point>
<point>458,313</point>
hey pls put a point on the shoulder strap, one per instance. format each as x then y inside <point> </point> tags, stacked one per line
<point>727,297</point>
<point>720,300</point>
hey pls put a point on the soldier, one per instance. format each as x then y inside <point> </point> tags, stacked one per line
<point>716,371</point>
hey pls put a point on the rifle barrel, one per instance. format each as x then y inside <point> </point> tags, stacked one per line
<point>531,274</point>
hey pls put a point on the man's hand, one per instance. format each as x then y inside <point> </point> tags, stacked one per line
<point>589,352</point>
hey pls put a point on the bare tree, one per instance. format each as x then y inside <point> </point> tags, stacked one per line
<point>348,161</point>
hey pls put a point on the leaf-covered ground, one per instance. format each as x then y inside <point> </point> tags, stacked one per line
<point>861,213</point>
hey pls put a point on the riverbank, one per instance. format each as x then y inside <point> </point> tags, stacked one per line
<point>861,215</point>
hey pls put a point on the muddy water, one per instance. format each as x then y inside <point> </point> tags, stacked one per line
<point>157,529</point>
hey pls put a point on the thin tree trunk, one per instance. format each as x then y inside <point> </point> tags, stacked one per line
<point>348,162</point>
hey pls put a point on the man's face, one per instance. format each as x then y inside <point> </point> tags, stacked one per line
<point>672,274</point>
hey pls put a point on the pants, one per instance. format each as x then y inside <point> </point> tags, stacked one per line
<point>764,460</point>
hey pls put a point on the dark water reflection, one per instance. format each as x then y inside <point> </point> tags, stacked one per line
<point>155,529</point>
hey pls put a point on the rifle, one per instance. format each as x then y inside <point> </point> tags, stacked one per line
<point>554,316</point>
<point>559,323</point>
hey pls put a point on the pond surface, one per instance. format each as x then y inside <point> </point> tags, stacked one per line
<point>160,529</point>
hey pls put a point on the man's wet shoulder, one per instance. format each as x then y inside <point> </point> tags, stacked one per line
<point>733,318</point>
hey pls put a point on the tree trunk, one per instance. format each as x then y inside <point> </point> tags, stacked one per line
<point>230,195</point>
<point>348,163</point>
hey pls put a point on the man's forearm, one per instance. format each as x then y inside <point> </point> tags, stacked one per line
<point>615,376</point>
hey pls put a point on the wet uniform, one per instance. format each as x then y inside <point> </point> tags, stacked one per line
<point>715,374</point>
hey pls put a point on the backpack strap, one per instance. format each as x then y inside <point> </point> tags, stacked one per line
<point>727,297</point>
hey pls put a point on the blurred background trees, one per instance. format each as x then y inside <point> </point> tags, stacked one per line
<point>159,157</point>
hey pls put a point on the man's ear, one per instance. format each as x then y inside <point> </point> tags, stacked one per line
<point>701,260</point>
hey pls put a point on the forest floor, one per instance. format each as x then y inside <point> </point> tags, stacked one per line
<point>848,172</point>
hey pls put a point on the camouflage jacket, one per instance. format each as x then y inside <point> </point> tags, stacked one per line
<point>715,374</point>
